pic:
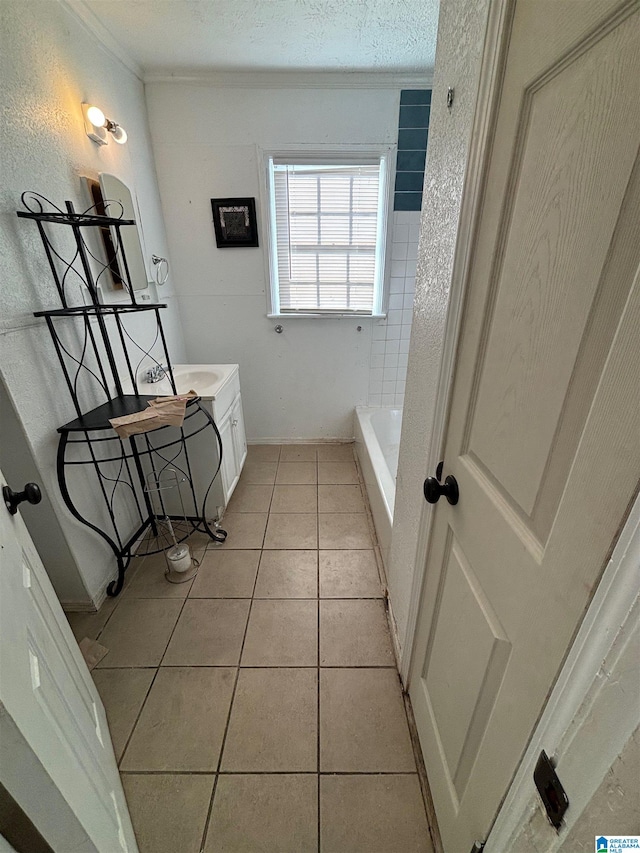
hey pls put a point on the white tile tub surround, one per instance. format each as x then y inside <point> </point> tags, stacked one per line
<point>377,432</point>
<point>390,337</point>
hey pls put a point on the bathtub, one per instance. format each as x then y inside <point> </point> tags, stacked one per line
<point>377,433</point>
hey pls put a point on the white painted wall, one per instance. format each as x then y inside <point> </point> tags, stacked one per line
<point>50,63</point>
<point>304,383</point>
<point>18,466</point>
<point>614,808</point>
<point>461,30</point>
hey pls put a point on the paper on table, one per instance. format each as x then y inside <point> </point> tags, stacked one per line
<point>163,411</point>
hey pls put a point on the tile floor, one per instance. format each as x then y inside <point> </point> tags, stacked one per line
<point>258,708</point>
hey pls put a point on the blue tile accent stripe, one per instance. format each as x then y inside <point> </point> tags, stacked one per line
<point>411,117</point>
<point>413,132</point>
<point>412,140</point>
<point>415,96</point>
<point>411,161</point>
<point>407,201</point>
<point>409,182</point>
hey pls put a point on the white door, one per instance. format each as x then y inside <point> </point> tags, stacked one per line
<point>544,422</point>
<point>56,758</point>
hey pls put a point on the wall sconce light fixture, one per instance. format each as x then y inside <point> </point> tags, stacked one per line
<point>97,125</point>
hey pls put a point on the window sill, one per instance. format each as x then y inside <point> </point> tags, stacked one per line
<point>327,316</point>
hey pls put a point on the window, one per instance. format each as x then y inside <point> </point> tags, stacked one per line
<point>328,229</point>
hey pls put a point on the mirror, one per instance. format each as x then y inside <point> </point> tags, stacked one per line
<point>114,190</point>
<point>107,189</point>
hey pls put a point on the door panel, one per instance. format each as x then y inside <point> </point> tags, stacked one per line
<point>572,157</point>
<point>56,757</point>
<point>228,467</point>
<point>239,435</point>
<point>544,421</point>
<point>469,655</point>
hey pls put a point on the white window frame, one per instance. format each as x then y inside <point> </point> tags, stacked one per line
<point>337,153</point>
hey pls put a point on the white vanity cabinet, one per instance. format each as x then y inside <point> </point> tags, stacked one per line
<point>227,413</point>
<point>218,386</point>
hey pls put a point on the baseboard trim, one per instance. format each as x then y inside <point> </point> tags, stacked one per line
<point>79,606</point>
<point>92,605</point>
<point>395,641</point>
<point>251,441</point>
<point>430,809</point>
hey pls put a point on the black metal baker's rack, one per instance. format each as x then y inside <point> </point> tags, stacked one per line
<point>101,360</point>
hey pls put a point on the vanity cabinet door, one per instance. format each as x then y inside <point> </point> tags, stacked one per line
<point>238,434</point>
<point>228,467</point>
<point>234,446</point>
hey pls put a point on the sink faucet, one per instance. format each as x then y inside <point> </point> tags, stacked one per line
<point>155,373</point>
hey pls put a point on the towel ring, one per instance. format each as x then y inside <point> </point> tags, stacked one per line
<point>158,262</point>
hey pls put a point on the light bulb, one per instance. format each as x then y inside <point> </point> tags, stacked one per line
<point>119,134</point>
<point>96,116</point>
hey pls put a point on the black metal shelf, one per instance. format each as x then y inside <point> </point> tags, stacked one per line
<point>94,310</point>
<point>98,418</point>
<point>84,219</point>
<point>95,359</point>
<point>77,269</point>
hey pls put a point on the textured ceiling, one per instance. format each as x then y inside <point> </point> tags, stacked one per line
<point>276,35</point>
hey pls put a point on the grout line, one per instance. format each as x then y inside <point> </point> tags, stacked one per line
<point>268,773</point>
<point>251,666</point>
<point>139,714</point>
<point>109,618</point>
<point>267,597</point>
<point>128,741</point>
<point>261,597</point>
<point>184,601</point>
<point>233,696</point>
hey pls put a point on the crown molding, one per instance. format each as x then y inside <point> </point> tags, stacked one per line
<point>294,79</point>
<point>80,10</point>
<point>300,79</point>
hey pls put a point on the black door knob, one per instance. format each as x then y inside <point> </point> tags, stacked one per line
<point>434,489</point>
<point>12,499</point>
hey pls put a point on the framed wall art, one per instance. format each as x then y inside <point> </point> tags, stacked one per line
<point>234,221</point>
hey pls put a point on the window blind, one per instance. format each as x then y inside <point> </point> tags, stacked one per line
<point>327,233</point>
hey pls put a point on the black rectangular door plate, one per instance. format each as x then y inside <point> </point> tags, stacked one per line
<point>553,795</point>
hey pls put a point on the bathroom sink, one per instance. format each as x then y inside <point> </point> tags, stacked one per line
<point>207,380</point>
<point>195,379</point>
